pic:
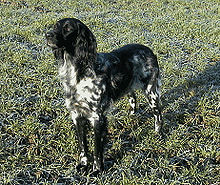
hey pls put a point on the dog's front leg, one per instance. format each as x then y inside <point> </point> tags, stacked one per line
<point>81,129</point>
<point>98,150</point>
<point>99,126</point>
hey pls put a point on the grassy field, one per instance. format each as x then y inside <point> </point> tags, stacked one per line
<point>37,138</point>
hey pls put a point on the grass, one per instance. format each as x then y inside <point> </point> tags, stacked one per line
<point>37,138</point>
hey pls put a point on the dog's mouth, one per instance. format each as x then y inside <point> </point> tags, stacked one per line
<point>52,44</point>
<point>51,39</point>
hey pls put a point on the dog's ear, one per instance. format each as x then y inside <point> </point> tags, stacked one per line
<point>85,46</point>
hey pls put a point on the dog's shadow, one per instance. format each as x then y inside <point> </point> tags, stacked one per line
<point>187,96</point>
<point>183,100</point>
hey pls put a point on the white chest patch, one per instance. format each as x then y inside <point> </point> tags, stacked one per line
<point>87,95</point>
<point>86,90</point>
<point>84,95</point>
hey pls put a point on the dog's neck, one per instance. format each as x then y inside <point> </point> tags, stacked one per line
<point>71,66</point>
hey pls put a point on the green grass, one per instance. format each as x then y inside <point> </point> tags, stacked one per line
<point>37,138</point>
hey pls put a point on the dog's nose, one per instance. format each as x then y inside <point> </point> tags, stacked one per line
<point>49,34</point>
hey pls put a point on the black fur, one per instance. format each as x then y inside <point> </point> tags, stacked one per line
<point>92,81</point>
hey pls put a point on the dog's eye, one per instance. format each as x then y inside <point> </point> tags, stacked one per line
<point>67,28</point>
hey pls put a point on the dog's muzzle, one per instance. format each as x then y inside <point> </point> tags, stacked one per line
<point>49,35</point>
<point>51,39</point>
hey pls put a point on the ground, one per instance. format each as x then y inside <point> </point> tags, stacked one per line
<point>37,138</point>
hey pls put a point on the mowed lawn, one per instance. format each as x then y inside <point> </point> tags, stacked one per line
<point>37,138</point>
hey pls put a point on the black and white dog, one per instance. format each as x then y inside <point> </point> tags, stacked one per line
<point>92,81</point>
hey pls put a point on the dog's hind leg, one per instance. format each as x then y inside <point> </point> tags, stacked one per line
<point>81,129</point>
<point>152,93</point>
<point>133,102</point>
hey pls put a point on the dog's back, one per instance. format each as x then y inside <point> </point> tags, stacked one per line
<point>128,68</point>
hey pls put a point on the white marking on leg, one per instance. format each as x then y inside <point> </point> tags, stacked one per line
<point>95,166</point>
<point>153,96</point>
<point>83,158</point>
<point>68,103</point>
<point>158,90</point>
<point>93,118</point>
<point>132,104</point>
<point>149,88</point>
<point>84,161</point>
<point>153,104</point>
<point>74,115</point>
<point>157,123</point>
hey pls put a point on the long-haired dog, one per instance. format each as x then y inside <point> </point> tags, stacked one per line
<point>92,81</point>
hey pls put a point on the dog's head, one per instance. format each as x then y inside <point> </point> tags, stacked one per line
<point>73,36</point>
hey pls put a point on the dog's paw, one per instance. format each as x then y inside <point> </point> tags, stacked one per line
<point>95,173</point>
<point>82,168</point>
<point>98,167</point>
<point>161,134</point>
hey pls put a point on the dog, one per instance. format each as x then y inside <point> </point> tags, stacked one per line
<point>92,81</point>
